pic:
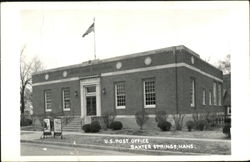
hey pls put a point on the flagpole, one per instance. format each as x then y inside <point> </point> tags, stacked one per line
<point>94,41</point>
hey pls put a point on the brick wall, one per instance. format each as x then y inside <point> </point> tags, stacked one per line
<point>165,91</point>
<point>201,82</point>
<point>56,92</point>
<point>165,84</point>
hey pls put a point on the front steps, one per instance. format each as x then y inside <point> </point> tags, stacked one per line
<point>73,126</point>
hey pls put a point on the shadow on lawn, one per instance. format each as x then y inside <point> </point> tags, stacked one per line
<point>211,134</point>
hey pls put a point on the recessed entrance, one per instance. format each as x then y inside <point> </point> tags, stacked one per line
<point>90,99</point>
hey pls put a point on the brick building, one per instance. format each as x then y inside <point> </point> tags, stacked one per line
<point>227,94</point>
<point>173,79</point>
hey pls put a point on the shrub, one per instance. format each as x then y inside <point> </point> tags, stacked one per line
<point>227,131</point>
<point>164,125</point>
<point>95,126</point>
<point>86,128</point>
<point>227,121</point>
<point>108,118</point>
<point>212,119</point>
<point>190,125</point>
<point>227,128</point>
<point>178,120</point>
<point>160,116</point>
<point>51,124</point>
<point>141,118</point>
<point>116,125</point>
<point>195,116</point>
<point>201,125</point>
<point>25,122</point>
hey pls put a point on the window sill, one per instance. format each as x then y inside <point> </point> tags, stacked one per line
<point>48,110</point>
<point>66,109</point>
<point>121,107</point>
<point>149,106</point>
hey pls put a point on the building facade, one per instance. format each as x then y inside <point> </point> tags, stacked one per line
<point>227,94</point>
<point>173,79</point>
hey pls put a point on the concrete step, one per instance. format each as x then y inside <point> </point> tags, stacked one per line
<point>74,125</point>
<point>72,130</point>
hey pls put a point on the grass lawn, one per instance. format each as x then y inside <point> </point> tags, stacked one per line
<point>203,147</point>
<point>215,134</point>
<point>222,147</point>
<point>30,128</point>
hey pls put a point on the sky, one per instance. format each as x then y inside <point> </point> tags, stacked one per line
<point>54,32</point>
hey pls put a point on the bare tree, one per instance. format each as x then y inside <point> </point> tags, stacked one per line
<point>26,69</point>
<point>225,65</point>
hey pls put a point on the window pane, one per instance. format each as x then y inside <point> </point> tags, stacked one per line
<point>192,93</point>
<point>149,92</point>
<point>219,94</point>
<point>48,102</point>
<point>91,89</point>
<point>204,97</point>
<point>214,94</point>
<point>91,105</point>
<point>120,94</point>
<point>66,98</point>
<point>210,98</point>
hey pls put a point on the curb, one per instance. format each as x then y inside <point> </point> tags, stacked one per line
<point>147,152</point>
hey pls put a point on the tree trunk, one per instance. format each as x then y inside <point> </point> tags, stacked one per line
<point>22,102</point>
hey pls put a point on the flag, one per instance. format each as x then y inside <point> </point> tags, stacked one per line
<point>90,29</point>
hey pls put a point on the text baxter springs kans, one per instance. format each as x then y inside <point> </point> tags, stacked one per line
<point>145,144</point>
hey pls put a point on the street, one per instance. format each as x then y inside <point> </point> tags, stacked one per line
<point>32,149</point>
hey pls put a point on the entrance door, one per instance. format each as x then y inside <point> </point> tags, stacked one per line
<point>90,99</point>
<point>91,105</point>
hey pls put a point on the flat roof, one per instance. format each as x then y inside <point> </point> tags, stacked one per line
<point>97,61</point>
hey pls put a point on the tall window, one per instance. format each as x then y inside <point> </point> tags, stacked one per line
<point>219,94</point>
<point>149,94</point>
<point>210,98</point>
<point>214,93</point>
<point>204,97</point>
<point>66,99</point>
<point>192,93</point>
<point>120,95</point>
<point>47,100</point>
